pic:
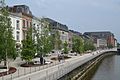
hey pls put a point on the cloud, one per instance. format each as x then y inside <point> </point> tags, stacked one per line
<point>40,3</point>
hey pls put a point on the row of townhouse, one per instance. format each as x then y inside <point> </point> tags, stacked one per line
<point>65,34</point>
<point>58,27</point>
<point>22,18</point>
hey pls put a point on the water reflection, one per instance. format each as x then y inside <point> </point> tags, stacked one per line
<point>109,69</point>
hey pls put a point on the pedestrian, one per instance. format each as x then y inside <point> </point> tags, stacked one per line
<point>58,57</point>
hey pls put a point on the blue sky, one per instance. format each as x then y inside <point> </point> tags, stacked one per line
<point>79,15</point>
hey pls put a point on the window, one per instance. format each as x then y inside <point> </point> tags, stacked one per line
<point>17,24</point>
<point>23,23</point>
<point>18,36</point>
<point>38,27</point>
<point>27,24</point>
<point>33,25</point>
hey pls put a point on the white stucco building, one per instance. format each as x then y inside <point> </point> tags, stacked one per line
<point>36,23</point>
<point>63,36</point>
<point>101,43</point>
<point>16,23</point>
<point>115,42</point>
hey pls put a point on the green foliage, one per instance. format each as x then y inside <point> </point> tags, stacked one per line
<point>78,44</point>
<point>44,42</point>
<point>55,35</point>
<point>65,48</point>
<point>88,45</point>
<point>110,46</point>
<point>118,44</point>
<point>56,40</point>
<point>7,43</point>
<point>28,47</point>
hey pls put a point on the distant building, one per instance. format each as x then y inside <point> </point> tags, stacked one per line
<point>116,43</point>
<point>56,26</point>
<point>60,28</point>
<point>101,43</point>
<point>105,35</point>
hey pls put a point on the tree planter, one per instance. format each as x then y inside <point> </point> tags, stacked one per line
<point>32,64</point>
<point>10,71</point>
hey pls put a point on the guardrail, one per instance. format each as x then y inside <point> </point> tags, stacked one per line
<point>22,71</point>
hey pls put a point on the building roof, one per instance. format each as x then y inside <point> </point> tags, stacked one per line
<point>56,25</point>
<point>21,9</point>
<point>86,36</point>
<point>102,34</point>
<point>76,32</point>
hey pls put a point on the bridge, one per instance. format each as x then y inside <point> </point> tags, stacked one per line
<point>54,72</point>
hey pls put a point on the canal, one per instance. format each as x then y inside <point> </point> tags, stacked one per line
<point>109,69</point>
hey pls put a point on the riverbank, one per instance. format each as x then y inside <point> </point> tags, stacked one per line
<point>82,72</point>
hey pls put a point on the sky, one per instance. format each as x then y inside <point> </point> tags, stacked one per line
<point>78,15</point>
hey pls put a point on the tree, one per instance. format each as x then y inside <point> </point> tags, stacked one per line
<point>65,47</point>
<point>78,45</point>
<point>28,47</point>
<point>56,39</point>
<point>88,45</point>
<point>110,46</point>
<point>44,44</point>
<point>118,44</point>
<point>7,42</point>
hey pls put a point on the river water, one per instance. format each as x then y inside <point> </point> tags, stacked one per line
<point>109,69</point>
